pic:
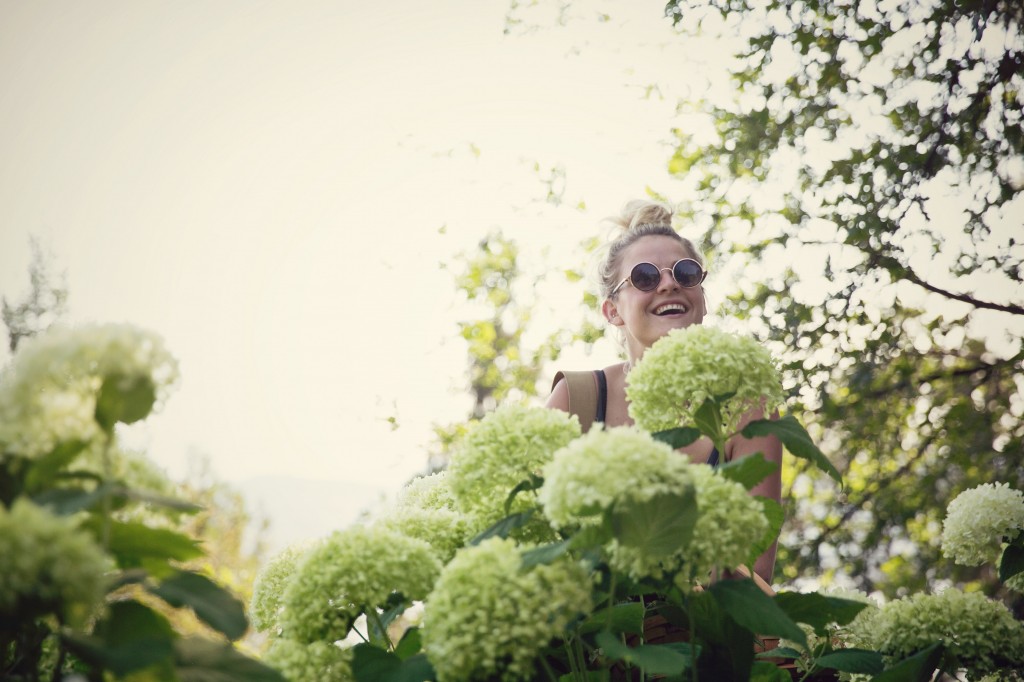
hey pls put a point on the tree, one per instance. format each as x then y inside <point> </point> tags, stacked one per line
<point>870,161</point>
<point>45,303</point>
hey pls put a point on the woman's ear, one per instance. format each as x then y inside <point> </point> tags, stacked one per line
<point>611,313</point>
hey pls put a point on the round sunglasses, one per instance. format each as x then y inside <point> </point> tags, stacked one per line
<point>647,276</point>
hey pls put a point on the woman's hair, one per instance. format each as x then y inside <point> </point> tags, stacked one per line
<point>639,218</point>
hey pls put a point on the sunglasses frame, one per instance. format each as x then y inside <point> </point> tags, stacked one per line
<point>703,275</point>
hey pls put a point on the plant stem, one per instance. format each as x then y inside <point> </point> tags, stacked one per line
<point>547,669</point>
<point>693,640</point>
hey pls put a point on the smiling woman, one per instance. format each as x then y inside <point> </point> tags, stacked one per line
<point>652,283</point>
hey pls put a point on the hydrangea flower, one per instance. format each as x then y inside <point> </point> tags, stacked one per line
<point>353,570</point>
<point>687,366</point>
<point>625,464</point>
<point>48,565</point>
<point>443,529</point>
<point>488,618</point>
<point>427,492</point>
<point>425,509</point>
<point>269,586</point>
<point>979,520</point>
<point>48,392</point>
<point>300,662</point>
<point>981,635</point>
<point>501,451</point>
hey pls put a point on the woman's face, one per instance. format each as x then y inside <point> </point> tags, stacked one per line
<point>646,316</point>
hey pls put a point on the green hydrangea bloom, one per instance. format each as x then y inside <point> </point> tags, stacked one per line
<point>981,635</point>
<point>979,520</point>
<point>487,618</point>
<point>444,530</point>
<point>320,661</point>
<point>48,392</point>
<point>502,450</point>
<point>353,570</point>
<point>48,565</point>
<point>687,366</point>
<point>427,492</point>
<point>625,464</point>
<point>425,509</point>
<point>269,587</point>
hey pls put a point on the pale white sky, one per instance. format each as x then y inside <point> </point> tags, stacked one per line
<point>265,184</point>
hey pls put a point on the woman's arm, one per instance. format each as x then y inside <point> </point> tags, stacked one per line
<point>559,398</point>
<point>770,487</point>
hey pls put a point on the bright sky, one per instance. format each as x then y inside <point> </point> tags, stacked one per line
<point>272,186</point>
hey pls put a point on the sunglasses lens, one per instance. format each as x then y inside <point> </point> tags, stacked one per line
<point>645,276</point>
<point>688,273</point>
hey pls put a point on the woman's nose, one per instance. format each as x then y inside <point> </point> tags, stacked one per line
<point>667,283</point>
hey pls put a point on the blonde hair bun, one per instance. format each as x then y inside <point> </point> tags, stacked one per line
<point>642,212</point>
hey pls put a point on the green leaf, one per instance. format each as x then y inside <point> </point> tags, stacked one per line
<point>626,618</point>
<point>133,637</point>
<point>708,419</point>
<point>754,610</point>
<point>534,482</point>
<point>917,668</point>
<point>853,661</point>
<point>776,516</point>
<point>655,659</point>
<point>200,660</point>
<point>373,664</point>
<point>659,526</point>
<point>545,554</point>
<point>795,438</point>
<point>214,605</point>
<point>132,542</point>
<point>410,644</point>
<point>125,399</point>
<point>678,437</point>
<point>818,610</point>
<point>502,528</point>
<point>65,501</point>
<point>43,470</point>
<point>1012,562</point>
<point>748,471</point>
<point>763,671</point>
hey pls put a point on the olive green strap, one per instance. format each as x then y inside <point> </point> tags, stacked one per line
<point>582,395</point>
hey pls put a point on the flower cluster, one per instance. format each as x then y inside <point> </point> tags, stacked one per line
<point>48,565</point>
<point>48,394</point>
<point>268,588</point>
<point>353,570</point>
<point>980,635</point>
<point>623,465</point>
<point>321,661</point>
<point>979,520</point>
<point>488,618</point>
<point>688,366</point>
<point>425,509</point>
<point>500,452</point>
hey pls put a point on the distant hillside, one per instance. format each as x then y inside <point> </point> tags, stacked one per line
<point>305,508</point>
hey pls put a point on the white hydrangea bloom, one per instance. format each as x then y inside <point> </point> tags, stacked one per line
<point>687,366</point>
<point>626,465</point>
<point>443,529</point>
<point>269,587</point>
<point>48,392</point>
<point>353,570</point>
<point>487,618</point>
<point>427,492</point>
<point>981,635</point>
<point>320,661</point>
<point>501,451</point>
<point>979,520</point>
<point>48,566</point>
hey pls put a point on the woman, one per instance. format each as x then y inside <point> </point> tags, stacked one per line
<point>645,303</point>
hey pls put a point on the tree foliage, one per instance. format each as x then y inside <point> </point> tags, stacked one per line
<point>45,303</point>
<point>871,161</point>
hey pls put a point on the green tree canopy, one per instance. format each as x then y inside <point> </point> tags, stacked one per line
<point>870,161</point>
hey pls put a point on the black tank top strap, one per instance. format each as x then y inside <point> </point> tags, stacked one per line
<point>602,395</point>
<point>713,458</point>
